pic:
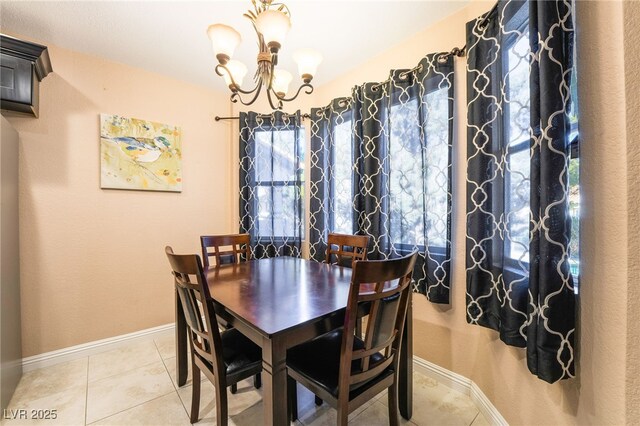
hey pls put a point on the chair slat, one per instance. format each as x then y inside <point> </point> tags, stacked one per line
<point>352,247</point>
<point>237,247</point>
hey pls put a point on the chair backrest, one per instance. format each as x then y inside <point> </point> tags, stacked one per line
<point>227,249</point>
<point>346,248</point>
<point>197,304</point>
<point>386,286</point>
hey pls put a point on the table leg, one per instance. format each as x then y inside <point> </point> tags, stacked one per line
<point>274,383</point>
<point>181,344</point>
<point>405,376</point>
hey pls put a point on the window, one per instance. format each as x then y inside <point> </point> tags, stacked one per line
<point>418,173</point>
<point>517,185</point>
<point>279,176</point>
<point>574,183</point>
<point>517,158</point>
<point>342,179</point>
<point>405,176</point>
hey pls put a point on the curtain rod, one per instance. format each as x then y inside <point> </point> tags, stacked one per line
<point>218,118</point>
<point>456,51</point>
<point>481,25</point>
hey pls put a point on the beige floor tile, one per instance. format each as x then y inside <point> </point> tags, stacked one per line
<point>123,359</point>
<point>50,380</point>
<point>166,344</point>
<point>480,420</point>
<point>126,390</point>
<point>246,397</point>
<point>377,414</point>
<point>166,410</point>
<point>170,364</point>
<point>65,407</point>
<point>306,402</point>
<point>324,415</point>
<point>436,404</point>
<point>252,416</point>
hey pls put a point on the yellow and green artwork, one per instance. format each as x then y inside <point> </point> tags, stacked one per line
<point>140,154</point>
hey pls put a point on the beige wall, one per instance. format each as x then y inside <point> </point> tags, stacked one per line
<point>442,335</point>
<point>632,81</point>
<point>92,260</point>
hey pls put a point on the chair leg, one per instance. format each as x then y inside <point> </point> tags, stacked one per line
<point>393,404</point>
<point>222,410</point>
<point>195,393</point>
<point>343,415</point>
<point>257,381</point>
<point>234,388</point>
<point>318,400</point>
<point>292,399</point>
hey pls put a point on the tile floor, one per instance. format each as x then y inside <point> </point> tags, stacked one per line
<point>135,385</point>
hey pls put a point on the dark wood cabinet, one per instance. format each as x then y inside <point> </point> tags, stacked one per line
<point>22,66</point>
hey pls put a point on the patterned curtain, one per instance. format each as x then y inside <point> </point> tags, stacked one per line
<point>271,183</point>
<point>331,175</point>
<point>519,282</point>
<point>396,185</point>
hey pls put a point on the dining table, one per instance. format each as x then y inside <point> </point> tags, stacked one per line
<point>279,303</point>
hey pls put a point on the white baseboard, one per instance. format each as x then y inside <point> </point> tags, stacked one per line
<point>442,375</point>
<point>463,385</point>
<point>80,351</point>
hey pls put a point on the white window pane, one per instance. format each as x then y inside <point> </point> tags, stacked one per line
<point>517,152</point>
<point>342,179</point>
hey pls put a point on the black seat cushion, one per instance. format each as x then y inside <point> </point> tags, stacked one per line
<point>319,362</point>
<point>239,353</point>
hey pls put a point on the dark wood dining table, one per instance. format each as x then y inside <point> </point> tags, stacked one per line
<point>279,303</point>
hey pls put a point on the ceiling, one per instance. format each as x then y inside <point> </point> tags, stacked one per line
<point>169,37</point>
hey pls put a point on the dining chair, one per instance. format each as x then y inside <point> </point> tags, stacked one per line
<point>227,250</point>
<point>234,248</point>
<point>344,250</point>
<point>344,369</point>
<point>225,357</point>
<point>346,247</point>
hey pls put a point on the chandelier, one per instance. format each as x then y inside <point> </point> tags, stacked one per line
<point>271,22</point>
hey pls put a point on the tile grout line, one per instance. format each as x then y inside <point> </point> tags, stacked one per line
<point>137,405</point>
<point>126,371</point>
<point>130,408</point>
<point>123,372</point>
<point>474,419</point>
<point>174,384</point>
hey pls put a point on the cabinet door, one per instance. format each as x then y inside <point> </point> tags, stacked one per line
<point>16,79</point>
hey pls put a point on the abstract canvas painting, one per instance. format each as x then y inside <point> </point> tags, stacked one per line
<point>140,154</point>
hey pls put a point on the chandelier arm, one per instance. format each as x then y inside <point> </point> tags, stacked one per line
<point>279,104</point>
<point>233,82</point>
<point>309,91</point>
<point>237,96</point>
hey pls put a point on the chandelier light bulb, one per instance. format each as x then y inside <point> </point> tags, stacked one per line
<point>274,26</point>
<point>238,71</point>
<point>224,41</point>
<point>281,81</point>
<point>308,61</point>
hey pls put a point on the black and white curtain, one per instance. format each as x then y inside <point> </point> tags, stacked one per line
<point>271,183</point>
<point>381,166</point>
<point>519,282</point>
